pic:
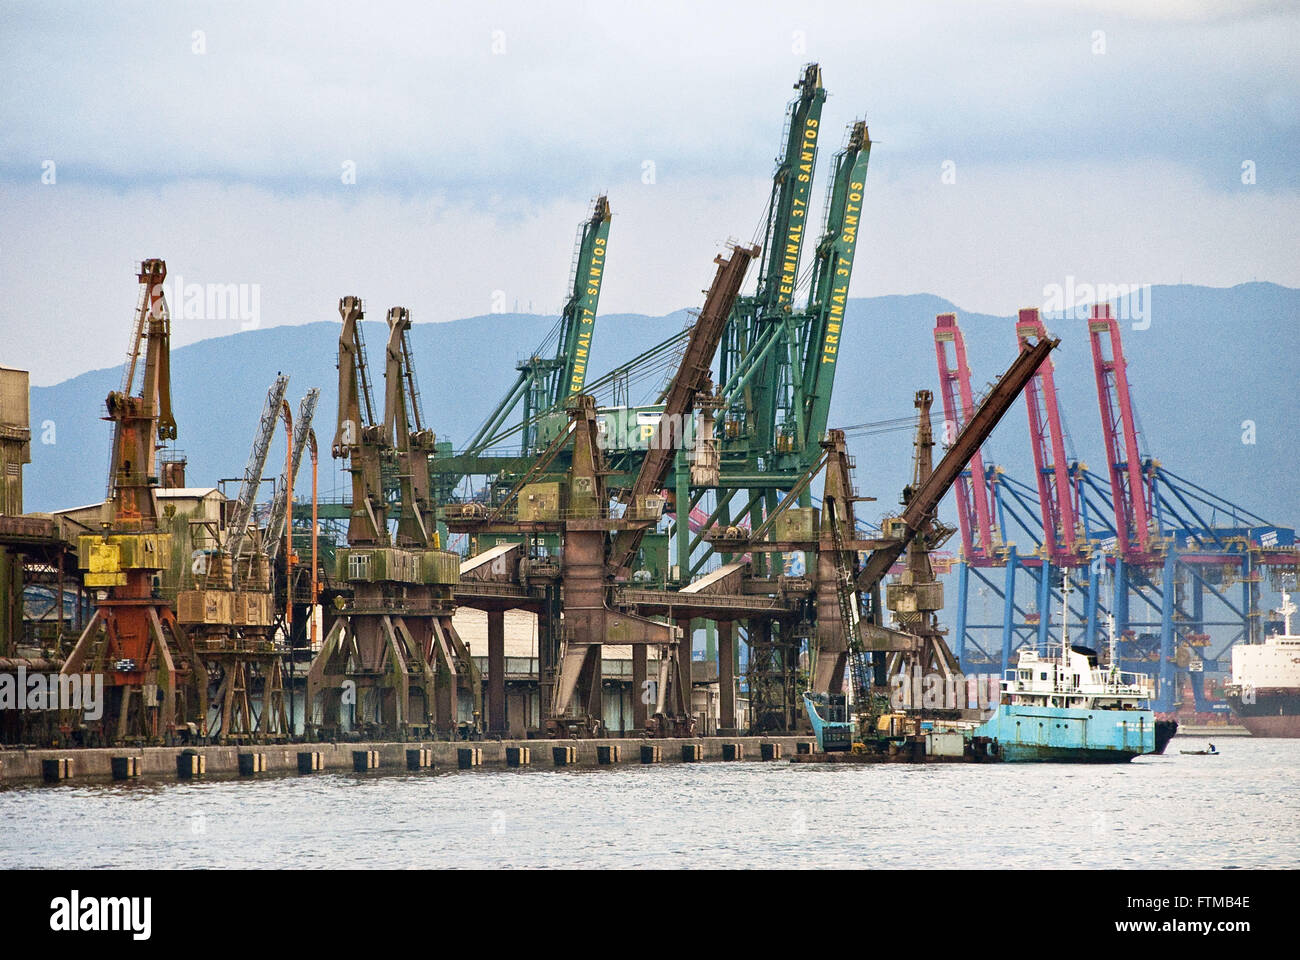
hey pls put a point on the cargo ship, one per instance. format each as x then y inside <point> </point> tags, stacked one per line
<point>1265,690</point>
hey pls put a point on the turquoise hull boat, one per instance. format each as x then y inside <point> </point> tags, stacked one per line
<point>829,718</point>
<point>1027,733</point>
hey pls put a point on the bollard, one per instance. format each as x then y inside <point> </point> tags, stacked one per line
<point>467,757</point>
<point>610,753</point>
<point>190,764</point>
<point>692,752</point>
<point>364,761</point>
<point>310,761</point>
<point>251,763</point>
<point>803,746</point>
<point>125,768</point>
<point>419,759</point>
<point>54,770</point>
<point>651,753</point>
<point>769,751</point>
<point>519,756</point>
<point>564,756</point>
<point>733,751</point>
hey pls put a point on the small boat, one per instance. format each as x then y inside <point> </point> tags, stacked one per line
<point>1199,753</point>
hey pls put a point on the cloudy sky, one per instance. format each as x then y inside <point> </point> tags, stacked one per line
<point>1105,141</point>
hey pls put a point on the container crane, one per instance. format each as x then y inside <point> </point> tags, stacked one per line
<point>1132,480</point>
<point>925,499</point>
<point>1064,541</point>
<point>974,494</point>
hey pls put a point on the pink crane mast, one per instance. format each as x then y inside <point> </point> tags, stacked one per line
<point>974,515</point>
<point>1058,497</point>
<point>1131,486</point>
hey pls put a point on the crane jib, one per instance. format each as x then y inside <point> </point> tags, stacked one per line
<point>586,313</point>
<point>843,271</point>
<point>796,216</point>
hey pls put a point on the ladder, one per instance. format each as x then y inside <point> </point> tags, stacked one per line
<point>846,592</point>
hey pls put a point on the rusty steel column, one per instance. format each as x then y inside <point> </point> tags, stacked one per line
<point>640,713</point>
<point>684,667</point>
<point>726,676</point>
<point>496,638</point>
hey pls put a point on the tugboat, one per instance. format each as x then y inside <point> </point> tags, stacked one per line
<point>1070,709</point>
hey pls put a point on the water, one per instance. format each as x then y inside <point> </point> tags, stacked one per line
<point>1237,810</point>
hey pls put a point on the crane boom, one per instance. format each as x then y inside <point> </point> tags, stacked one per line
<point>690,379</point>
<point>754,368</point>
<point>925,499</point>
<point>243,510</point>
<point>415,525</point>
<point>360,440</point>
<point>791,186</point>
<point>1130,483</point>
<point>824,318</point>
<point>578,321</point>
<point>280,504</point>
<point>133,455</point>
<point>544,381</point>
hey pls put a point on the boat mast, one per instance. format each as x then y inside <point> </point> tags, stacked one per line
<point>1112,646</point>
<point>1065,623</point>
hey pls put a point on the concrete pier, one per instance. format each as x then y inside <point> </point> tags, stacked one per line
<point>17,766</point>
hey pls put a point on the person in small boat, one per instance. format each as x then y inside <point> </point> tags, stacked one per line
<point>1212,750</point>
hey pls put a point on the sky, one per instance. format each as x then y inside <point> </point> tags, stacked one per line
<point>441,156</point>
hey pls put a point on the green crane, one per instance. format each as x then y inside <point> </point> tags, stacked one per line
<point>823,319</point>
<point>754,362</point>
<point>546,381</point>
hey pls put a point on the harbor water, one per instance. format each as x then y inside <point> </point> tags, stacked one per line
<point>1235,811</point>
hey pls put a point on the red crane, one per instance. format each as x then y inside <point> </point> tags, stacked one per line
<point>1064,543</point>
<point>974,514</point>
<point>1132,482</point>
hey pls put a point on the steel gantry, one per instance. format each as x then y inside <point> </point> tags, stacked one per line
<point>775,373</point>
<point>1142,546</point>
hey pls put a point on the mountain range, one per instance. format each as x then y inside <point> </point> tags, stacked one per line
<point>1210,368</point>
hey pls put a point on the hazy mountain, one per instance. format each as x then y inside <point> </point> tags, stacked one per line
<point>1209,360</point>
